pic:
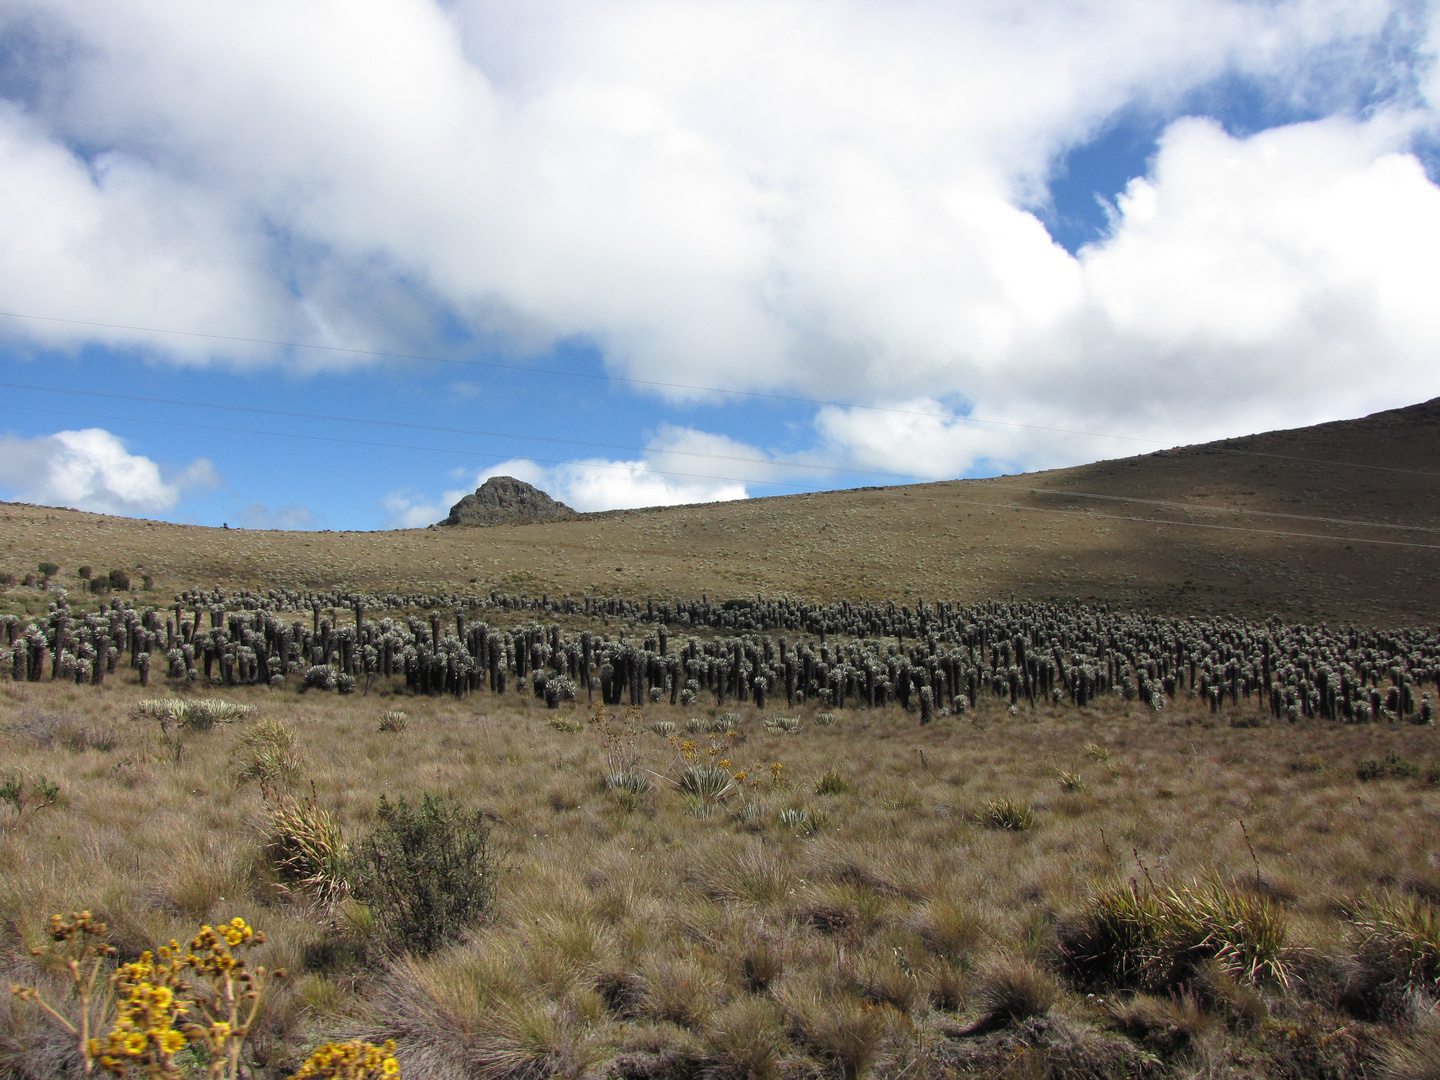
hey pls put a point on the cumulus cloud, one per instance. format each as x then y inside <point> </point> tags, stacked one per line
<point>92,470</point>
<point>405,509</point>
<point>833,198</point>
<point>682,465</point>
<point>260,516</point>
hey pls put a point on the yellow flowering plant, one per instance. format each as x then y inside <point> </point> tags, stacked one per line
<point>80,940</point>
<point>353,1060</point>
<point>157,1010</point>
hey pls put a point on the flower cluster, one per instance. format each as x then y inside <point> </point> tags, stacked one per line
<point>353,1060</point>
<point>145,1035</point>
<point>157,1011</point>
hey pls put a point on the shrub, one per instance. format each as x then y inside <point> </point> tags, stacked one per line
<point>832,783</point>
<point>1391,767</point>
<point>1012,815</point>
<point>119,580</point>
<point>207,996</point>
<point>353,1060</point>
<point>426,871</point>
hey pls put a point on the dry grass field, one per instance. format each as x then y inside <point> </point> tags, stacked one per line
<point>1208,850</point>
<point>857,905</point>
<point>1336,522</point>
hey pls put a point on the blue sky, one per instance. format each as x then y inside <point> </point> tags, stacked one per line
<point>315,264</point>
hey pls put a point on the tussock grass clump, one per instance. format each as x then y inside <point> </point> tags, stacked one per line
<point>843,1032</point>
<point>747,1040</point>
<point>1156,937</point>
<point>1399,937</point>
<point>831,783</point>
<point>1012,989</point>
<point>1010,815</point>
<point>306,848</point>
<point>266,754</point>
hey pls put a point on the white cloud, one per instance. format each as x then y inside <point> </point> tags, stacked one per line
<point>406,509</point>
<point>92,470</point>
<point>683,465</point>
<point>827,197</point>
<point>260,516</point>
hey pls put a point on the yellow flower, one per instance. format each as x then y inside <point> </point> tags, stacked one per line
<point>171,1041</point>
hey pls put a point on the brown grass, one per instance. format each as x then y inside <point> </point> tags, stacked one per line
<point>637,933</point>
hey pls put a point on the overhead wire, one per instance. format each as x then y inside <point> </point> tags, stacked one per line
<point>668,385</point>
<point>955,499</point>
<point>769,462</point>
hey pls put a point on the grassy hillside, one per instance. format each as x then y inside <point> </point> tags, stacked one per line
<point>1337,521</point>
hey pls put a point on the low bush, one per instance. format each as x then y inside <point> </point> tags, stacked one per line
<point>1391,767</point>
<point>426,872</point>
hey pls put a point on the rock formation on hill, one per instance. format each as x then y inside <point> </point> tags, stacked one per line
<point>504,500</point>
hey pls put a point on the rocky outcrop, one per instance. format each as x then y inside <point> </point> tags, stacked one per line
<point>503,500</point>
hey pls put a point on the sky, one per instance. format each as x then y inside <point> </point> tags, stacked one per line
<point>329,264</point>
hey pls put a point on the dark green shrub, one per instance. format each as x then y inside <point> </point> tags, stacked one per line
<point>84,573</point>
<point>119,580</point>
<point>48,570</point>
<point>1391,767</point>
<point>425,872</point>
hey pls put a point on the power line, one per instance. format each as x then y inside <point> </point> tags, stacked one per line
<point>783,462</point>
<point>527,369</point>
<point>385,445</point>
<point>786,462</point>
<point>661,384</point>
<point>959,499</point>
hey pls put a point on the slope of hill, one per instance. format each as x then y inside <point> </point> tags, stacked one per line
<point>1336,521</point>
